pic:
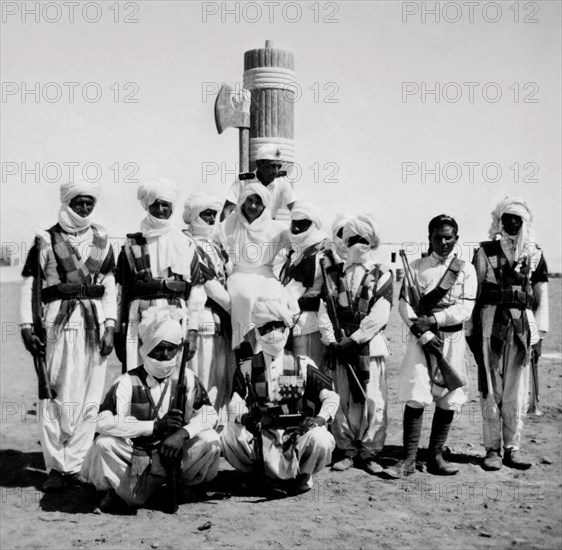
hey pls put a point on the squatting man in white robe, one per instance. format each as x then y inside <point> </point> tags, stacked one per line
<point>447,286</point>
<point>363,291</point>
<point>76,264</point>
<point>136,425</point>
<point>281,384</point>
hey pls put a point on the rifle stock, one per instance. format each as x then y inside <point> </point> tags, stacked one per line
<point>44,386</point>
<point>355,387</point>
<point>173,465</point>
<point>253,407</point>
<point>451,379</point>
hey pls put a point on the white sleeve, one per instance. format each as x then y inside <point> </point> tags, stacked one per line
<point>540,292</point>
<point>234,192</point>
<point>109,298</point>
<point>26,311</point>
<point>289,194</point>
<point>377,318</point>
<point>330,404</point>
<point>123,424</point>
<point>325,325</point>
<point>195,305</point>
<point>461,310</point>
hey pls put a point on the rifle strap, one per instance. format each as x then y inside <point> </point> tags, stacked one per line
<point>430,300</point>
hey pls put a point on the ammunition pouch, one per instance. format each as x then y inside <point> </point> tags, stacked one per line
<point>71,291</point>
<point>159,288</point>
<point>506,297</point>
<point>309,303</point>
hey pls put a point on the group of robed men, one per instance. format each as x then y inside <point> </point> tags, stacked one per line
<point>283,331</point>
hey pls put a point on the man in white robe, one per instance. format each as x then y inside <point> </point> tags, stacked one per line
<point>292,403</point>
<point>363,290</point>
<point>509,321</point>
<point>157,266</point>
<point>137,427</point>
<point>78,293</point>
<point>447,286</point>
<point>214,361</point>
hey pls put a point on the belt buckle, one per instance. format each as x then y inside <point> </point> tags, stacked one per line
<point>82,292</point>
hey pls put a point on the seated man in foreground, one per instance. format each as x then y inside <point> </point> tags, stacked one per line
<point>280,430</point>
<point>139,433</point>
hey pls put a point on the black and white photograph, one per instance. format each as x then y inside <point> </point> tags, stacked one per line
<point>281,274</point>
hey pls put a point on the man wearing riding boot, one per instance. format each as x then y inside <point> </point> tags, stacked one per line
<point>510,317</point>
<point>446,288</point>
<point>280,430</point>
<point>138,431</point>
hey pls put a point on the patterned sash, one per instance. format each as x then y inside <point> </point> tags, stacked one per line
<point>72,268</point>
<point>352,310</point>
<point>507,317</point>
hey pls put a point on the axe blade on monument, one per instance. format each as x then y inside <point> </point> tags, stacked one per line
<point>232,110</point>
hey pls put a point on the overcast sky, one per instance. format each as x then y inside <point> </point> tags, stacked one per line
<point>369,132</point>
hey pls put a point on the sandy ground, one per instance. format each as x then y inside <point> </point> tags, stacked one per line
<point>475,509</point>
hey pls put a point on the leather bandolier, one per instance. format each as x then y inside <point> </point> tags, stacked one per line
<point>299,398</point>
<point>512,294</point>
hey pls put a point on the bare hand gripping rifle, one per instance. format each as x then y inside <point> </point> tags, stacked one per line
<point>450,377</point>
<point>173,465</point>
<point>44,386</point>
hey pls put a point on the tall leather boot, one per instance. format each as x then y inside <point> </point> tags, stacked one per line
<point>440,426</point>
<point>413,420</point>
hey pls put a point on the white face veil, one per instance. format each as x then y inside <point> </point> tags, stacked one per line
<point>314,234</point>
<point>364,226</point>
<point>159,324</point>
<point>194,205</point>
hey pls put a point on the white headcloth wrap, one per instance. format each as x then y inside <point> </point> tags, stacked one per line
<point>524,241</point>
<point>338,223</point>
<point>172,244</point>
<point>69,220</point>
<point>314,234</point>
<point>365,226</point>
<point>194,205</point>
<point>269,308</point>
<point>159,324</point>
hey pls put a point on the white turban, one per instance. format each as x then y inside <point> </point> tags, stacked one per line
<point>365,226</point>
<point>267,309</point>
<point>525,240</point>
<point>159,324</point>
<point>339,223</point>
<point>306,211</point>
<point>255,188</point>
<point>70,221</point>
<point>80,187</point>
<point>162,189</point>
<point>199,202</point>
<point>314,234</point>
<point>273,308</point>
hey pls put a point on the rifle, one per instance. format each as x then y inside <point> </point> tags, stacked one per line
<point>255,413</point>
<point>173,465</point>
<point>535,356</point>
<point>122,330</point>
<point>450,377</point>
<point>354,385</point>
<point>44,386</point>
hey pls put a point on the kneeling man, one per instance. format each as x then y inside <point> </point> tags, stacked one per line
<point>138,431</point>
<point>280,430</point>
